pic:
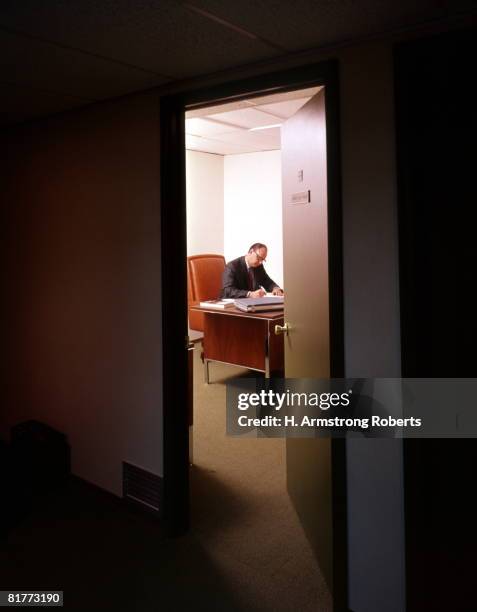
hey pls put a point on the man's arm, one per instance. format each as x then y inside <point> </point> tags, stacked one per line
<point>266,281</point>
<point>229,285</point>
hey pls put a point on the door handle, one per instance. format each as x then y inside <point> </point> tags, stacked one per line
<point>282,329</point>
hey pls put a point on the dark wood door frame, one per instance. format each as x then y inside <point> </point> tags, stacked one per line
<point>174,286</point>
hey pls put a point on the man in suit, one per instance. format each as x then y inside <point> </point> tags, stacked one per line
<point>246,277</point>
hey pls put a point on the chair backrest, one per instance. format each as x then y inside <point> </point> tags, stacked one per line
<point>204,282</point>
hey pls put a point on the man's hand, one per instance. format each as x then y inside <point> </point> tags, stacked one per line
<point>277,291</point>
<point>257,294</point>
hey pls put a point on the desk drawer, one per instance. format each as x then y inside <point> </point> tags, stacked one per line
<point>238,340</point>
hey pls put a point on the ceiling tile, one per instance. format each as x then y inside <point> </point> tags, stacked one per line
<point>282,96</point>
<point>262,140</point>
<point>246,117</point>
<point>277,107</point>
<point>195,143</point>
<point>33,63</point>
<point>162,36</point>
<point>284,109</point>
<point>218,108</point>
<point>203,127</point>
<point>254,101</point>
<point>304,24</point>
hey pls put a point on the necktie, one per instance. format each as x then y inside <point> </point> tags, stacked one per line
<point>251,280</point>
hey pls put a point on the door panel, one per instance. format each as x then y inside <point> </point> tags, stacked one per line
<point>307,346</point>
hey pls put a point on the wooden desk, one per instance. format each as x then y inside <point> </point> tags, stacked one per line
<point>244,339</point>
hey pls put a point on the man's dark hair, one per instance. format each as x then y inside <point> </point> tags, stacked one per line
<point>257,245</point>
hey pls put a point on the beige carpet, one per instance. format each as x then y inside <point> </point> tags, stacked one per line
<point>241,513</point>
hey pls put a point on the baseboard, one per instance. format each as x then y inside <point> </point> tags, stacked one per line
<point>120,502</point>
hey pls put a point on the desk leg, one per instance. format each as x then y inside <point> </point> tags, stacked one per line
<point>191,445</point>
<point>206,371</point>
<point>190,352</point>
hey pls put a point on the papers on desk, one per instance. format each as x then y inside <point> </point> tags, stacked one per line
<point>219,304</point>
<point>260,304</point>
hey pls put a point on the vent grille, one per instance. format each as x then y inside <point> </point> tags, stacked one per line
<point>142,487</point>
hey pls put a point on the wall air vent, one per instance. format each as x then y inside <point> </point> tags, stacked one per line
<point>142,488</point>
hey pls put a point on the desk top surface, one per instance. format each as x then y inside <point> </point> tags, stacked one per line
<point>270,315</point>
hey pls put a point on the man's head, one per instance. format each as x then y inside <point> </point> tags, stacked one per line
<point>256,255</point>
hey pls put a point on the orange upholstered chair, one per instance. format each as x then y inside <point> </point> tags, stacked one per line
<point>204,282</point>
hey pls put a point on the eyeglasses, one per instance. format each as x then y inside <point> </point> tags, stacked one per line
<point>259,257</point>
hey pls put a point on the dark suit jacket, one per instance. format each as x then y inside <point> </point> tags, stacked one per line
<point>235,279</point>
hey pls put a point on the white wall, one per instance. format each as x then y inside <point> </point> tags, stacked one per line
<point>253,207</point>
<point>205,203</point>
<point>81,327</point>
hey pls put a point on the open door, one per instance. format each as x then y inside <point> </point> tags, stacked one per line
<point>307,345</point>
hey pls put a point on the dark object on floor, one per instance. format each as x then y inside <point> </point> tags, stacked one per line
<point>41,457</point>
<point>16,501</point>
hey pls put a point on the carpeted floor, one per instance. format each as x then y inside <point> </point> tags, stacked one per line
<point>241,512</point>
<point>245,552</point>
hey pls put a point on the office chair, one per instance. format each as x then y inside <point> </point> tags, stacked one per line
<point>204,282</point>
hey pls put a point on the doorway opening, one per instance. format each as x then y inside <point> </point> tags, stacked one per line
<point>239,484</point>
<point>240,97</point>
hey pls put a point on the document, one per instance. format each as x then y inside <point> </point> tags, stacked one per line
<point>259,304</point>
<point>219,304</point>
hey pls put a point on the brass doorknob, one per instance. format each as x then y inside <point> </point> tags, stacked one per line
<point>282,329</point>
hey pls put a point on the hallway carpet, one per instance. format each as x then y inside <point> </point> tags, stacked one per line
<point>245,552</point>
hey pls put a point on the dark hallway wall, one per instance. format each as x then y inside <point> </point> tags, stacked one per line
<point>83,249</point>
<point>81,257</point>
<point>372,345</point>
<point>437,118</point>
